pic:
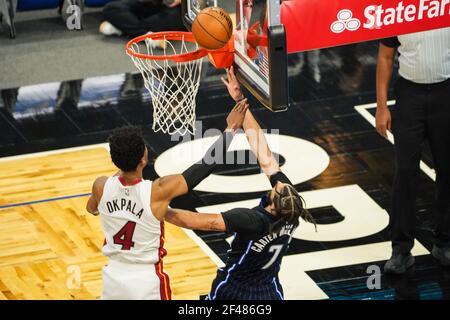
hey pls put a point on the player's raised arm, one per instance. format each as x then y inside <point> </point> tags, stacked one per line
<point>255,134</point>
<point>259,146</point>
<point>167,188</point>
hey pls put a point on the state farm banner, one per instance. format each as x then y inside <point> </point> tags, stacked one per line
<point>315,24</point>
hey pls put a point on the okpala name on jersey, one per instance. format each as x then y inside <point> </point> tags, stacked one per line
<point>124,205</point>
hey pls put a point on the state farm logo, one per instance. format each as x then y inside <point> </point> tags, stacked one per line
<point>379,16</point>
<point>345,21</point>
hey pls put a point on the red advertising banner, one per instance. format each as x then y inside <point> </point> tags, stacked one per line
<point>315,24</point>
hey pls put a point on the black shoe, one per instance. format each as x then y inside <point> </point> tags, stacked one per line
<point>398,263</point>
<point>442,255</point>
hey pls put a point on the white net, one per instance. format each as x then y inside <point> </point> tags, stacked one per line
<point>173,86</point>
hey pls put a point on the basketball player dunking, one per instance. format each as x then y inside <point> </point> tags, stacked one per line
<point>262,234</point>
<point>132,212</point>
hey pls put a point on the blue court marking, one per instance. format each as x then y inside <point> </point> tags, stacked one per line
<point>44,200</point>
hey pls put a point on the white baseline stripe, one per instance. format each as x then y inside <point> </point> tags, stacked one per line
<point>205,248</point>
<point>363,111</point>
<point>46,153</point>
<point>304,288</point>
<point>347,256</point>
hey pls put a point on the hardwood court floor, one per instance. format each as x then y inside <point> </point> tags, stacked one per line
<point>46,243</point>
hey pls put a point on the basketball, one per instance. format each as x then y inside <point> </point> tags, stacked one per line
<point>212,28</point>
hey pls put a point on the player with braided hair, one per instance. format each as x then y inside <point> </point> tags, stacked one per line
<point>289,206</point>
<point>262,234</point>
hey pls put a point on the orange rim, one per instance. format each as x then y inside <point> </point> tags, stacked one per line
<point>167,35</point>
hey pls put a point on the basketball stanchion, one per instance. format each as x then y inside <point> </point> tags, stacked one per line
<point>172,76</point>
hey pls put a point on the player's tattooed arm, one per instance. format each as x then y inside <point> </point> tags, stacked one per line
<point>195,221</point>
<point>215,225</point>
<point>97,192</point>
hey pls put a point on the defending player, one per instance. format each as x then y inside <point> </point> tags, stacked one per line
<point>132,212</point>
<point>262,234</point>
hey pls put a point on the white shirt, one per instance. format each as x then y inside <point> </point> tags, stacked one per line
<point>132,232</point>
<point>425,56</point>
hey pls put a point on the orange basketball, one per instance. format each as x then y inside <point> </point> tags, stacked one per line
<point>212,28</point>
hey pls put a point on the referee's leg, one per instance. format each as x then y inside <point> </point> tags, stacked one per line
<point>409,133</point>
<point>438,124</point>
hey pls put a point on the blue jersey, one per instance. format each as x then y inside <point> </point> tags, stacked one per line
<point>254,260</point>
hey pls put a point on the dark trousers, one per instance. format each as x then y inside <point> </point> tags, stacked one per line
<point>135,18</point>
<point>422,112</point>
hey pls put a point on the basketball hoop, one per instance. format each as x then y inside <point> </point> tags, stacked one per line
<point>172,76</point>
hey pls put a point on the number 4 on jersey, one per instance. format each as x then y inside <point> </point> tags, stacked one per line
<point>125,236</point>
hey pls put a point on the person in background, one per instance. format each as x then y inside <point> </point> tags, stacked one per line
<point>133,18</point>
<point>422,112</point>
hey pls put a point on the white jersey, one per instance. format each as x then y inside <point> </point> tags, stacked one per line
<point>132,232</point>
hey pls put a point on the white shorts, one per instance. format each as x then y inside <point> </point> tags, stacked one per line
<point>123,281</point>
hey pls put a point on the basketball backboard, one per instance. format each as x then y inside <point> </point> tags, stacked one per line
<point>260,58</point>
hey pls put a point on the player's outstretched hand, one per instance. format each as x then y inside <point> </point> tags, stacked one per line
<point>232,84</point>
<point>237,114</point>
